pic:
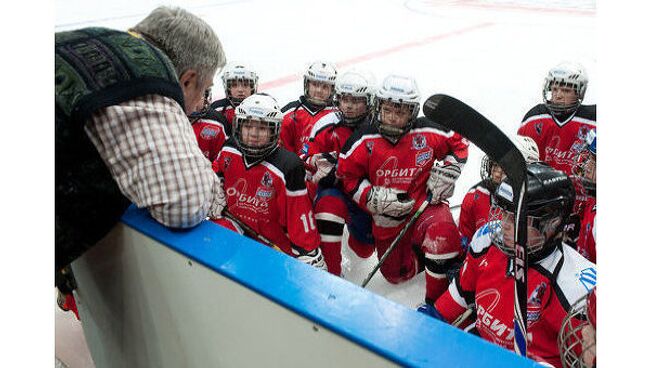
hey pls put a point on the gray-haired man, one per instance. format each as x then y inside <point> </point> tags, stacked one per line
<point>122,133</point>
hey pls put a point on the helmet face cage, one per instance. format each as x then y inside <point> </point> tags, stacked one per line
<point>256,152</point>
<point>565,75</point>
<point>549,224</point>
<point>576,349</point>
<point>398,90</point>
<point>550,198</point>
<point>257,108</point>
<point>238,73</point>
<point>390,132</point>
<point>321,72</point>
<point>354,84</point>
<point>353,121</point>
<point>584,166</point>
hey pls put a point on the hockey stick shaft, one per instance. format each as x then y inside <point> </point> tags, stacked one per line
<point>462,317</point>
<point>396,241</point>
<point>250,230</point>
<point>469,123</point>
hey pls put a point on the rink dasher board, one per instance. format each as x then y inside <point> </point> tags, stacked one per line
<point>149,296</point>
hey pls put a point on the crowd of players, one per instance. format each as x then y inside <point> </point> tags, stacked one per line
<point>350,153</point>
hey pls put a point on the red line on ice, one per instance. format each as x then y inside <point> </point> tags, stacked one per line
<point>378,54</point>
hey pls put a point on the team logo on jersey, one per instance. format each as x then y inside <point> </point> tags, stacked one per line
<point>422,158</point>
<point>267,180</point>
<point>419,142</point>
<point>265,193</point>
<point>226,162</point>
<point>538,128</point>
<point>535,303</point>
<point>208,132</point>
<point>587,278</point>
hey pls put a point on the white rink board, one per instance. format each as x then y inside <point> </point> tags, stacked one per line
<point>151,297</point>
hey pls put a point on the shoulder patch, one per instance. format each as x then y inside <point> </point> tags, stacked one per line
<point>577,276</point>
<point>482,238</point>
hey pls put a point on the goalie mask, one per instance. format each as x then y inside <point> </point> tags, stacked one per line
<point>353,95</point>
<point>239,82</point>
<point>321,76</point>
<point>257,126</point>
<point>492,171</point>
<point>562,76</point>
<point>549,201</point>
<point>577,338</point>
<point>397,104</point>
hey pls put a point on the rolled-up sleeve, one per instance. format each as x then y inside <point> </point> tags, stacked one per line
<point>151,151</point>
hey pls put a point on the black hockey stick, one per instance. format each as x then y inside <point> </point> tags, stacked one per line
<point>399,237</point>
<point>469,123</point>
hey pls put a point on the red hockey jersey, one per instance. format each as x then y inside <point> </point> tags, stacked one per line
<point>328,134</point>
<point>558,142</point>
<point>299,118</point>
<point>586,244</point>
<point>474,211</point>
<point>554,284</point>
<point>211,132</point>
<point>269,196</point>
<point>225,108</point>
<point>369,160</point>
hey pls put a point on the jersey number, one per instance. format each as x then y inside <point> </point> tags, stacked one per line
<point>308,224</point>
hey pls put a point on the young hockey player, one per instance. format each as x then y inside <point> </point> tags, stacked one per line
<point>475,208</point>
<point>211,129</point>
<point>387,168</point>
<point>577,341</point>
<point>354,93</point>
<point>557,275</point>
<point>316,102</point>
<point>239,82</point>
<point>585,183</point>
<point>265,184</point>
<point>562,121</point>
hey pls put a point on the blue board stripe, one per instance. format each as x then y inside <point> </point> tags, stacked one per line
<point>401,335</point>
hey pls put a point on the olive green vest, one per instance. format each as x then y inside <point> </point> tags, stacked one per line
<point>95,68</point>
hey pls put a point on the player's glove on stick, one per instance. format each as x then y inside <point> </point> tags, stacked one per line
<point>442,181</point>
<point>324,164</point>
<point>219,200</point>
<point>388,202</point>
<point>313,258</point>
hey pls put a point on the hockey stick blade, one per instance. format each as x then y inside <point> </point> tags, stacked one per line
<point>464,120</point>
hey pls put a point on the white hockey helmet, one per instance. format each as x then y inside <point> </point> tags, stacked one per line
<point>356,84</point>
<point>565,74</point>
<point>399,90</point>
<point>319,71</point>
<point>526,146</point>
<point>264,108</point>
<point>238,72</point>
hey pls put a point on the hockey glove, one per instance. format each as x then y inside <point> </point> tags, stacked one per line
<point>442,181</point>
<point>388,202</point>
<point>313,258</point>
<point>324,164</point>
<point>219,200</point>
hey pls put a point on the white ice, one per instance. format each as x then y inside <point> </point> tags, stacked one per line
<point>492,54</point>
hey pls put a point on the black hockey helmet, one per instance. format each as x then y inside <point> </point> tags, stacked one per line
<point>549,202</point>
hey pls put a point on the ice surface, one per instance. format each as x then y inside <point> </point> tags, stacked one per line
<point>492,54</point>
